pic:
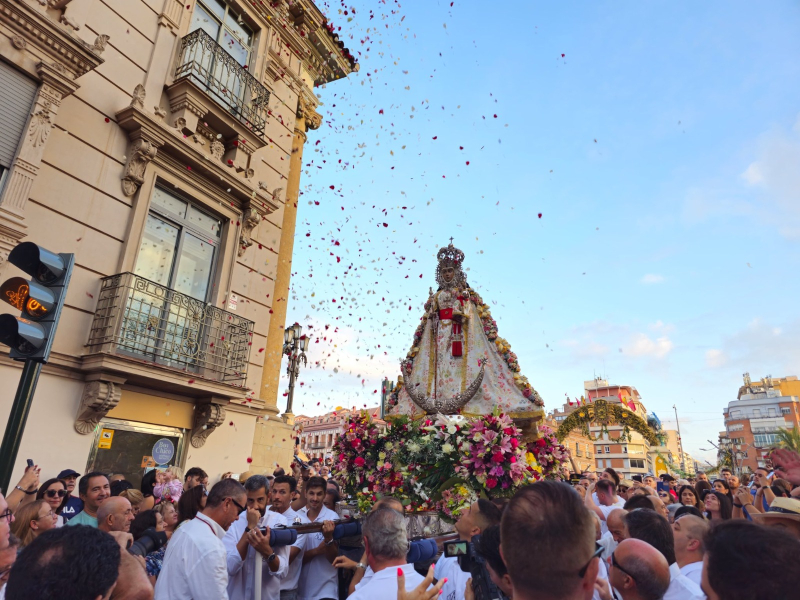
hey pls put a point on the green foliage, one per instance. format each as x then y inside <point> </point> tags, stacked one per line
<point>789,439</point>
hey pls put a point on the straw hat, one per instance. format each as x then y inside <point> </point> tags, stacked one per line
<point>245,476</point>
<point>781,508</point>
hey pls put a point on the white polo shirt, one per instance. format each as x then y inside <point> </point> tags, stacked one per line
<point>383,584</point>
<point>195,563</point>
<point>693,571</point>
<point>292,579</point>
<point>241,573</point>
<point>681,587</point>
<point>456,578</point>
<point>318,578</point>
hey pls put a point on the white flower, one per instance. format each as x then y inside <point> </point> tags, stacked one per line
<point>447,448</point>
<point>389,445</point>
<point>365,490</point>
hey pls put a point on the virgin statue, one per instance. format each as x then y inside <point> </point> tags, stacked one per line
<point>457,363</point>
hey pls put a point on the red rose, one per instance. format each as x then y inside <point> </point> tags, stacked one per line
<point>359,461</point>
<point>491,482</point>
<point>541,443</point>
<point>514,442</point>
<point>498,457</point>
<point>356,443</point>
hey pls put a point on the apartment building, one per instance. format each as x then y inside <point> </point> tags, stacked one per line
<point>160,142</point>
<point>752,420</point>
<point>318,435</point>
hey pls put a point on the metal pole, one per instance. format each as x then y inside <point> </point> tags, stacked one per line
<point>16,420</point>
<point>292,373</point>
<point>680,442</point>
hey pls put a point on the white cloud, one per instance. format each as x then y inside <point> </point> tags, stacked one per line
<point>642,345</point>
<point>715,358</point>
<point>651,278</point>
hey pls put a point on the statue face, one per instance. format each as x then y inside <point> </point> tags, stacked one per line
<point>448,273</point>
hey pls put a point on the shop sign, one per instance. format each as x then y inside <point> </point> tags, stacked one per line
<point>106,437</point>
<point>163,451</point>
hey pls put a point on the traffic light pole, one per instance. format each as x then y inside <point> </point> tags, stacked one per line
<point>16,420</point>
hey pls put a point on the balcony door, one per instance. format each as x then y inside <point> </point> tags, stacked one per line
<point>226,28</point>
<point>166,312</point>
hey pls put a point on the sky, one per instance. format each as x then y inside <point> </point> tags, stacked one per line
<point>624,179</point>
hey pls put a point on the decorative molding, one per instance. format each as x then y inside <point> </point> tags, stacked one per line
<point>40,126</point>
<point>306,111</point>
<point>19,42</point>
<point>52,40</point>
<point>99,397</point>
<point>138,97</point>
<point>159,112</point>
<point>217,149</point>
<point>69,22</point>
<point>250,220</point>
<point>100,43</point>
<point>207,417</point>
<point>140,154</point>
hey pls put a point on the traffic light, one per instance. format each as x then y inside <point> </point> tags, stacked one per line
<point>40,299</point>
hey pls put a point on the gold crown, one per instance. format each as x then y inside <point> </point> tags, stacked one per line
<point>450,255</point>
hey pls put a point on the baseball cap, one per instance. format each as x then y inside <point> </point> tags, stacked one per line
<point>68,473</point>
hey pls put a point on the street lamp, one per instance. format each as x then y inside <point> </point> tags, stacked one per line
<point>294,346</point>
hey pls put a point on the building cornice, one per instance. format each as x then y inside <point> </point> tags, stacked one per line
<point>52,39</point>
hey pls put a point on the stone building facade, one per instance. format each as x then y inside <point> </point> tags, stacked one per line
<point>161,142</point>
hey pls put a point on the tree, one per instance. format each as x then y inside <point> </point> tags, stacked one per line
<point>788,438</point>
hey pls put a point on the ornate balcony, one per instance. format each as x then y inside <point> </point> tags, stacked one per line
<point>208,66</point>
<point>143,320</point>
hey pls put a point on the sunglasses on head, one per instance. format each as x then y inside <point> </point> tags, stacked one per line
<point>54,493</point>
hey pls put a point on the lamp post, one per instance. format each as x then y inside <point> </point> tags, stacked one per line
<point>294,346</point>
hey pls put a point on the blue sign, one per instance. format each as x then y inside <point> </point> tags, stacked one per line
<point>163,451</point>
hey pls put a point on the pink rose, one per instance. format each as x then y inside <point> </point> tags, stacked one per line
<point>359,461</point>
<point>491,482</point>
<point>498,457</point>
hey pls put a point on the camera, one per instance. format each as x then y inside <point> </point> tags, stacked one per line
<point>150,541</point>
<point>473,563</point>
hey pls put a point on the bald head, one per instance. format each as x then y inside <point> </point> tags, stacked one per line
<point>640,571</point>
<point>115,514</point>
<point>616,524</point>
<point>688,532</point>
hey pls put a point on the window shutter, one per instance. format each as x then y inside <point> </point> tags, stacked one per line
<point>16,97</point>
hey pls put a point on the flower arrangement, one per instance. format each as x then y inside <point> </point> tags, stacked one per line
<point>441,463</point>
<point>454,500</point>
<point>495,458</point>
<point>548,452</point>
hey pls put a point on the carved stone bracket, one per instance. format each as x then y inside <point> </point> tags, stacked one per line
<point>140,154</point>
<point>99,397</point>
<point>250,220</point>
<point>207,417</point>
<point>306,111</point>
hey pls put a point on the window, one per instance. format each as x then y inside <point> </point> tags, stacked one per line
<point>624,449</point>
<point>736,427</point>
<point>736,414</point>
<point>16,97</point>
<point>226,27</point>
<point>785,410</point>
<point>763,440</point>
<point>771,412</point>
<point>179,246</point>
<point>608,449</point>
<point>756,413</point>
<point>637,463</point>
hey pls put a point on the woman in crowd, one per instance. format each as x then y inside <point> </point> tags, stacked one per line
<point>723,487</point>
<point>718,506</point>
<point>665,496</point>
<point>135,497</point>
<point>701,487</point>
<point>54,492</point>
<point>31,520</point>
<point>169,514</point>
<point>148,483</point>
<point>331,498</point>
<point>688,497</point>
<point>192,501</point>
<point>150,519</point>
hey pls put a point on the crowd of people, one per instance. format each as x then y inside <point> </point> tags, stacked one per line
<point>591,535</point>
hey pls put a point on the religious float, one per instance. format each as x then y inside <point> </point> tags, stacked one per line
<point>461,423</point>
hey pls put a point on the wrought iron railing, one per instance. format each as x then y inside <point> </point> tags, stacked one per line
<point>142,319</point>
<point>207,64</point>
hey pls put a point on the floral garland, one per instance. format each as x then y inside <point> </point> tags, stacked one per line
<point>548,452</point>
<point>490,329</point>
<point>442,464</point>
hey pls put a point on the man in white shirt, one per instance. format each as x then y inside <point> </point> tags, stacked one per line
<point>651,527</point>
<point>688,532</point>
<point>195,565</point>
<point>606,494</point>
<point>386,545</point>
<point>471,522</point>
<point>245,544</point>
<point>318,578</point>
<point>283,486</point>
